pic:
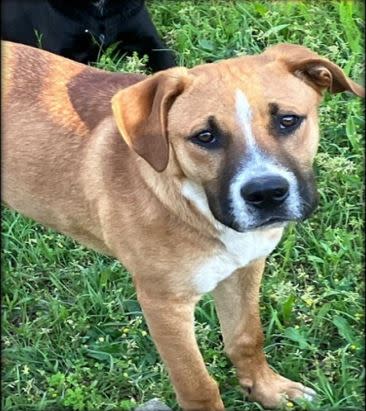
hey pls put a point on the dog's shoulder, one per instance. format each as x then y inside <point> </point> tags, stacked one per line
<point>91,91</point>
<point>67,90</point>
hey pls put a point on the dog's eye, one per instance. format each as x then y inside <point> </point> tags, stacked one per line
<point>206,139</point>
<point>289,121</point>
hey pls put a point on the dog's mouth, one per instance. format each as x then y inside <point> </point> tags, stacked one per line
<point>270,222</point>
<point>267,222</point>
<point>273,222</point>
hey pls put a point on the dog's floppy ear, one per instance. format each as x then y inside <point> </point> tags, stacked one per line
<point>141,114</point>
<point>318,72</point>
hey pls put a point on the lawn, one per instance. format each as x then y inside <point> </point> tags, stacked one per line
<point>73,334</point>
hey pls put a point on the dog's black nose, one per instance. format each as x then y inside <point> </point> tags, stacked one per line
<point>265,191</point>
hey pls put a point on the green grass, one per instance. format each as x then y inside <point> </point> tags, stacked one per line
<point>73,334</point>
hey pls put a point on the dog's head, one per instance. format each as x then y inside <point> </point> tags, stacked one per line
<point>243,132</point>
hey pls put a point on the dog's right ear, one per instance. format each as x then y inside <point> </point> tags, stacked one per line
<point>141,113</point>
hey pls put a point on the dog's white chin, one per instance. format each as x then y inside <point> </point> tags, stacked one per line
<point>252,228</point>
<point>278,224</point>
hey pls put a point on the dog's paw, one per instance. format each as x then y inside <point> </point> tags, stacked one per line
<point>274,391</point>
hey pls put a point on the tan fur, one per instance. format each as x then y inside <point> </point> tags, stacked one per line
<point>66,165</point>
<point>7,62</point>
<point>61,111</point>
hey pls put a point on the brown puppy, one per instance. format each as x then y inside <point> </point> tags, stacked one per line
<point>188,177</point>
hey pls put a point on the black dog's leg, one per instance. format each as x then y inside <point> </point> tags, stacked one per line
<point>145,39</point>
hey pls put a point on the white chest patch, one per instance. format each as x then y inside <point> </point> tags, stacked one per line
<point>239,249</point>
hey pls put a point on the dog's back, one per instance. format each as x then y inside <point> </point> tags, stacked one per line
<point>54,111</point>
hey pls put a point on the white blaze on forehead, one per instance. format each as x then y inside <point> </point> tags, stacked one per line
<point>244,117</point>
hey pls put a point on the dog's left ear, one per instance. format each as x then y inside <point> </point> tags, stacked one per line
<point>141,114</point>
<point>318,72</point>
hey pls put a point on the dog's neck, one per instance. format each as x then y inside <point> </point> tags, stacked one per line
<point>167,188</point>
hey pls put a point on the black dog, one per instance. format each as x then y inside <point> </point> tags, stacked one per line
<point>80,29</point>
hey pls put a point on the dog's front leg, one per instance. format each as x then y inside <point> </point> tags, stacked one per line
<point>149,42</point>
<point>171,324</point>
<point>236,300</point>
